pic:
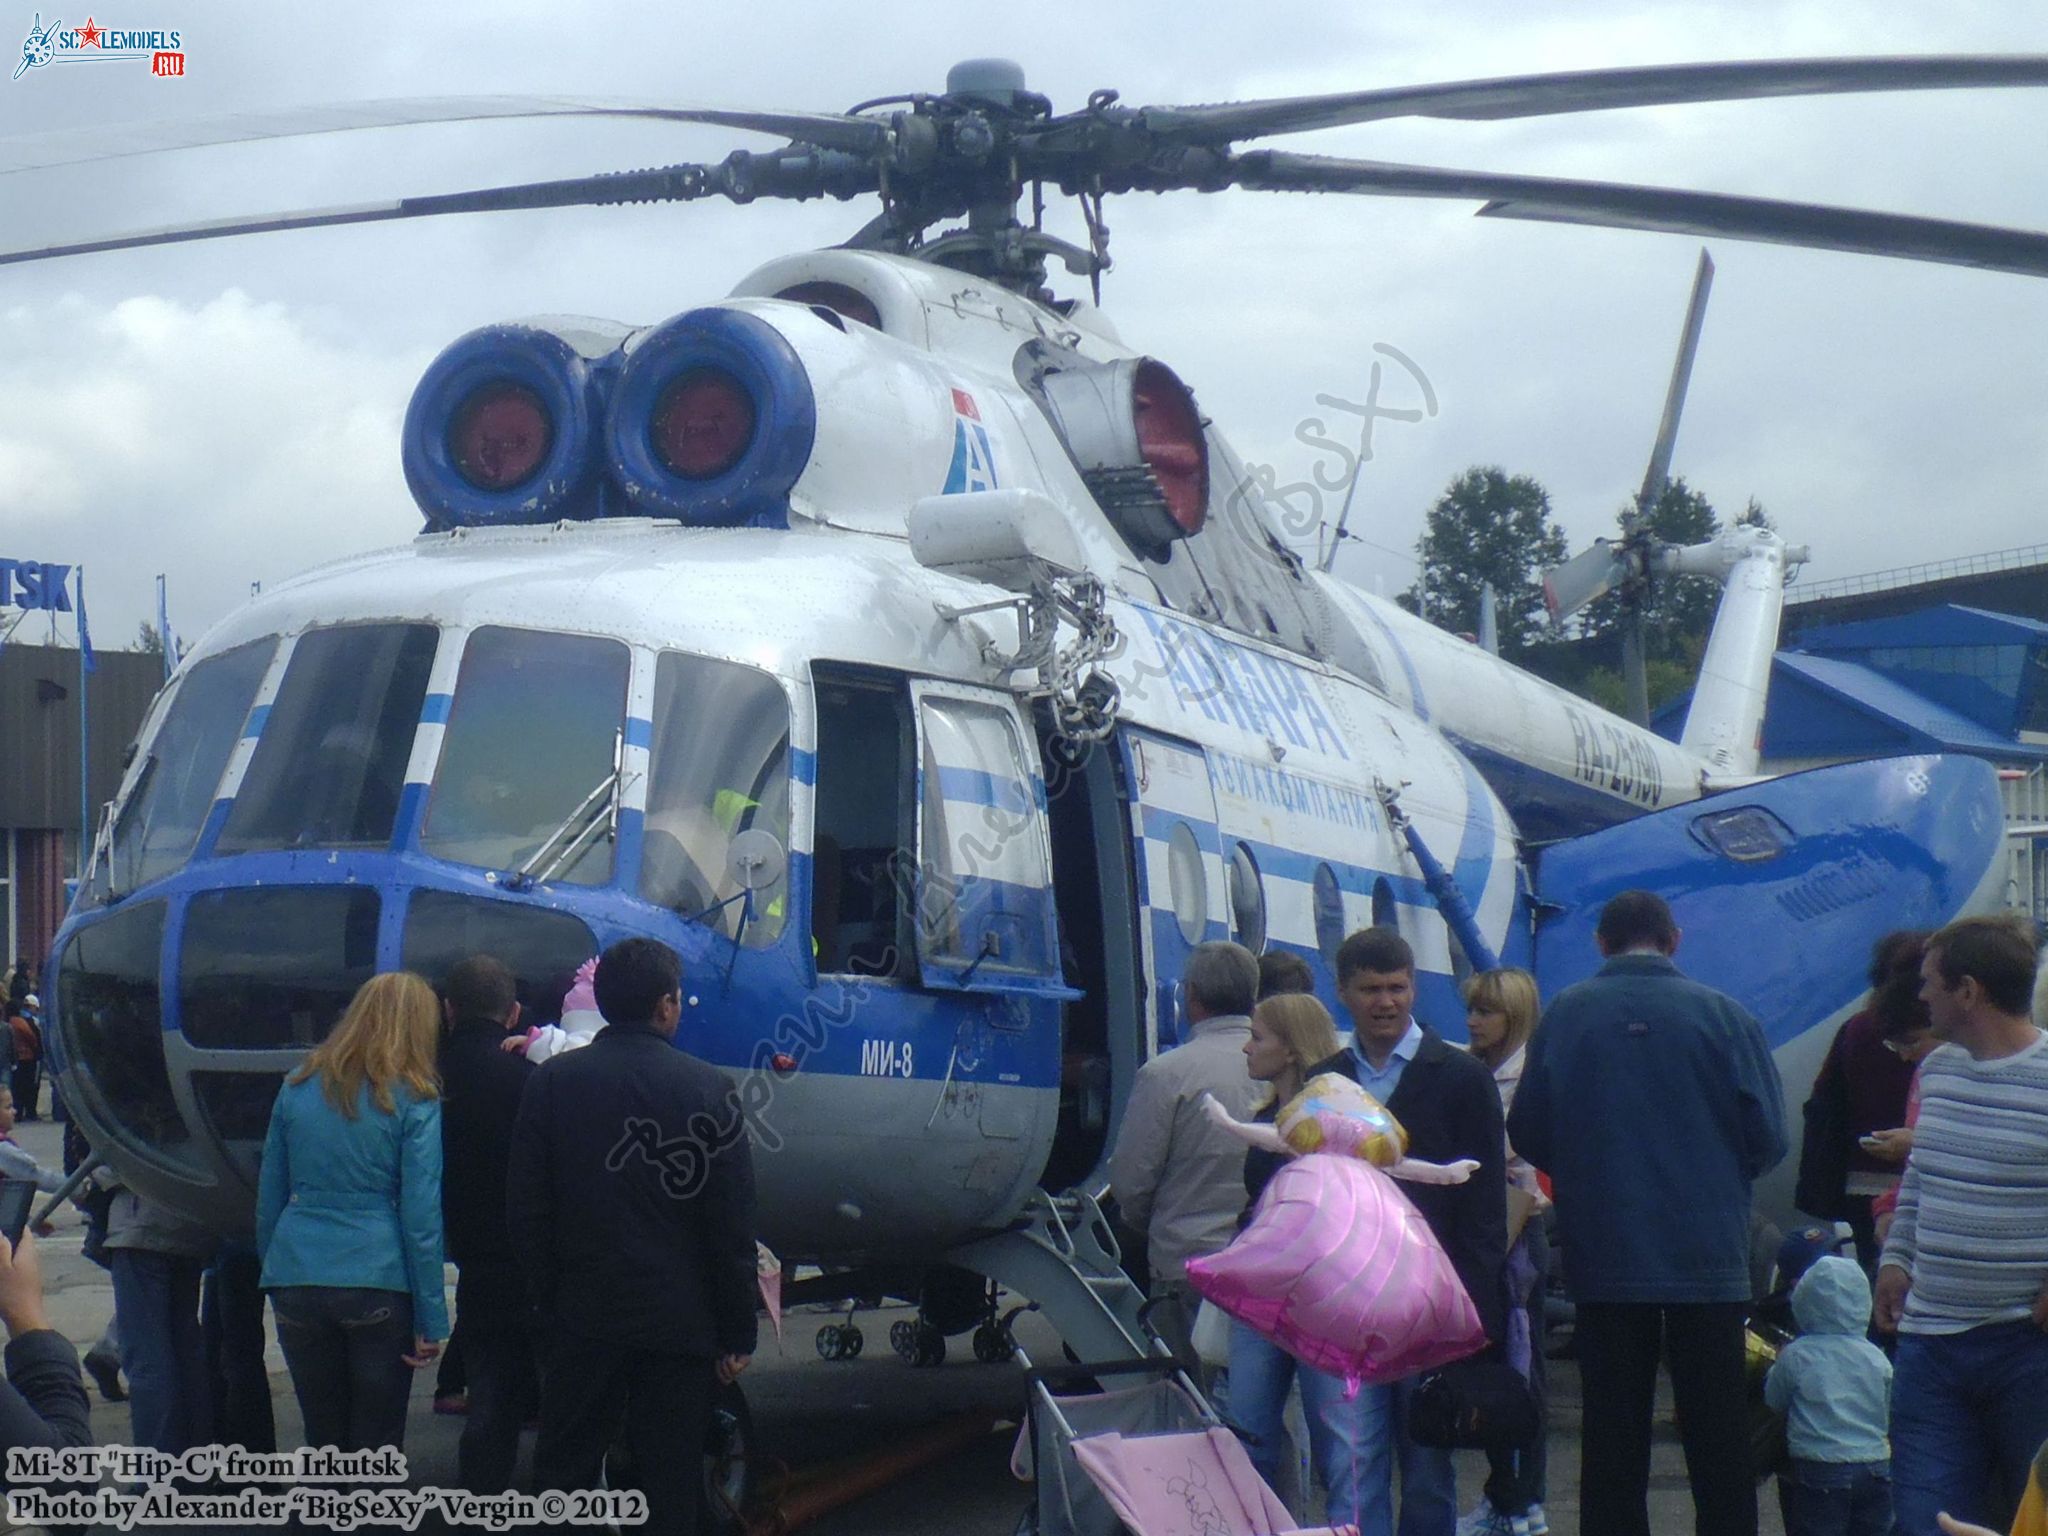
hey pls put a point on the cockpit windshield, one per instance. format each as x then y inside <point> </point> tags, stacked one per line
<point>719,766</point>
<point>529,766</point>
<point>330,764</point>
<point>174,788</point>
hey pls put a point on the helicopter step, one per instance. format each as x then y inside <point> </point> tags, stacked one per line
<point>1063,1256</point>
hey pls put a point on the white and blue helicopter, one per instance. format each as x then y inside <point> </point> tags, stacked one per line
<point>913,656</point>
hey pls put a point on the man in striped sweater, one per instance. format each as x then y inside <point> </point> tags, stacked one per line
<point>1964,1276</point>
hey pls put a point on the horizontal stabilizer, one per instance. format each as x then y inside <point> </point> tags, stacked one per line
<point>1780,888</point>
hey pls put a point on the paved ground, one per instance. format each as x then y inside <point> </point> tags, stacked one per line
<point>808,1412</point>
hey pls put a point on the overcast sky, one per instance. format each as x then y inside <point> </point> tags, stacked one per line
<point>229,412</point>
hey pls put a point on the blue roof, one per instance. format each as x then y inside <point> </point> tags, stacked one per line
<point>1893,708</point>
<point>1946,624</point>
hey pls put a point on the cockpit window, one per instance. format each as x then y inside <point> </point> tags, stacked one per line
<point>528,780</point>
<point>175,786</point>
<point>719,766</point>
<point>330,764</point>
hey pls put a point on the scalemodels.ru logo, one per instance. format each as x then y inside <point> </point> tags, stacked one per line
<point>162,51</point>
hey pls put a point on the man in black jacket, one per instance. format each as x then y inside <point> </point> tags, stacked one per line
<point>632,1208</point>
<point>481,1083</point>
<point>1448,1105</point>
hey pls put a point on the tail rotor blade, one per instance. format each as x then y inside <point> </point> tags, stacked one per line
<point>1590,574</point>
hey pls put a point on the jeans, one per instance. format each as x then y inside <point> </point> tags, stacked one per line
<point>1352,1443</point>
<point>1967,1408</point>
<point>592,1387</point>
<point>1619,1344</point>
<point>1260,1374</point>
<point>1836,1498</point>
<point>231,1318</point>
<point>156,1297</point>
<point>345,1347</point>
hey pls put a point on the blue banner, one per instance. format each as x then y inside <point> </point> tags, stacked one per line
<point>86,660</point>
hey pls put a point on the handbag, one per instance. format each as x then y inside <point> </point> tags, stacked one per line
<point>1824,1144</point>
<point>1473,1405</point>
<point>1211,1335</point>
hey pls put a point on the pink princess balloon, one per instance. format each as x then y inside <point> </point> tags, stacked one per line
<point>1340,1270</point>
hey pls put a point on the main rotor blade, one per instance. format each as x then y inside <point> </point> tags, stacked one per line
<point>1595,90</point>
<point>1681,377</point>
<point>1616,205</point>
<point>36,151</point>
<point>742,177</point>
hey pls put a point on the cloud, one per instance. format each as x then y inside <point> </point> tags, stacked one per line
<point>219,443</point>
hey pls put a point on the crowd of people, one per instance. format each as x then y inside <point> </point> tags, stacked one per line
<point>418,1130</point>
<point>1629,1121</point>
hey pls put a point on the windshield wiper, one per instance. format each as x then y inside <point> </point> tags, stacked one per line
<point>580,828</point>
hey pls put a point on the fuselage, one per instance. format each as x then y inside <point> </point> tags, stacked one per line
<point>532,740</point>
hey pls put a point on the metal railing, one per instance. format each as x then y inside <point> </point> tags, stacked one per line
<point>1915,575</point>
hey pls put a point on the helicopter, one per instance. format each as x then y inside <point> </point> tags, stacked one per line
<point>913,656</point>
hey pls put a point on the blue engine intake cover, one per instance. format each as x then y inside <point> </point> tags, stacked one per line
<point>756,489</point>
<point>568,387</point>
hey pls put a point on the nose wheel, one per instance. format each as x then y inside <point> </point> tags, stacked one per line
<point>841,1341</point>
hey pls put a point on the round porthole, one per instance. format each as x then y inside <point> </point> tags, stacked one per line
<point>1188,883</point>
<point>1329,904</point>
<point>1247,899</point>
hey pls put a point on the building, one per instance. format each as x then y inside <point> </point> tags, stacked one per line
<point>40,807</point>
<point>1946,678</point>
<point>2011,581</point>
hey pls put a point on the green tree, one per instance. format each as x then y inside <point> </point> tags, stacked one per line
<point>1487,527</point>
<point>1666,679</point>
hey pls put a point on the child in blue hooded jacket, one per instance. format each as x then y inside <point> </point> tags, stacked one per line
<point>1834,1387</point>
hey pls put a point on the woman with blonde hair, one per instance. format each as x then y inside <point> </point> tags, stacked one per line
<point>348,1215</point>
<point>1501,1010</point>
<point>1291,1035</point>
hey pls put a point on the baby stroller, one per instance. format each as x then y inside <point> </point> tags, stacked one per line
<point>1152,1459</point>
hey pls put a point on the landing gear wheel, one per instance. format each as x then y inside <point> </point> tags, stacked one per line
<point>850,1341</point>
<point>917,1343</point>
<point>993,1346</point>
<point>831,1342</point>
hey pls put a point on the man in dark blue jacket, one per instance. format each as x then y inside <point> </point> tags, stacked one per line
<point>481,1084</point>
<point>631,1205</point>
<point>1652,1103</point>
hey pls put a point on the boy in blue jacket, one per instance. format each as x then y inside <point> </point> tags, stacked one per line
<point>1834,1388</point>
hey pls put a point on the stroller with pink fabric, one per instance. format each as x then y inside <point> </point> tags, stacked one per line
<point>1151,1459</point>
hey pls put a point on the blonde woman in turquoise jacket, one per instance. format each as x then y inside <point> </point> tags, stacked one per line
<point>348,1216</point>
